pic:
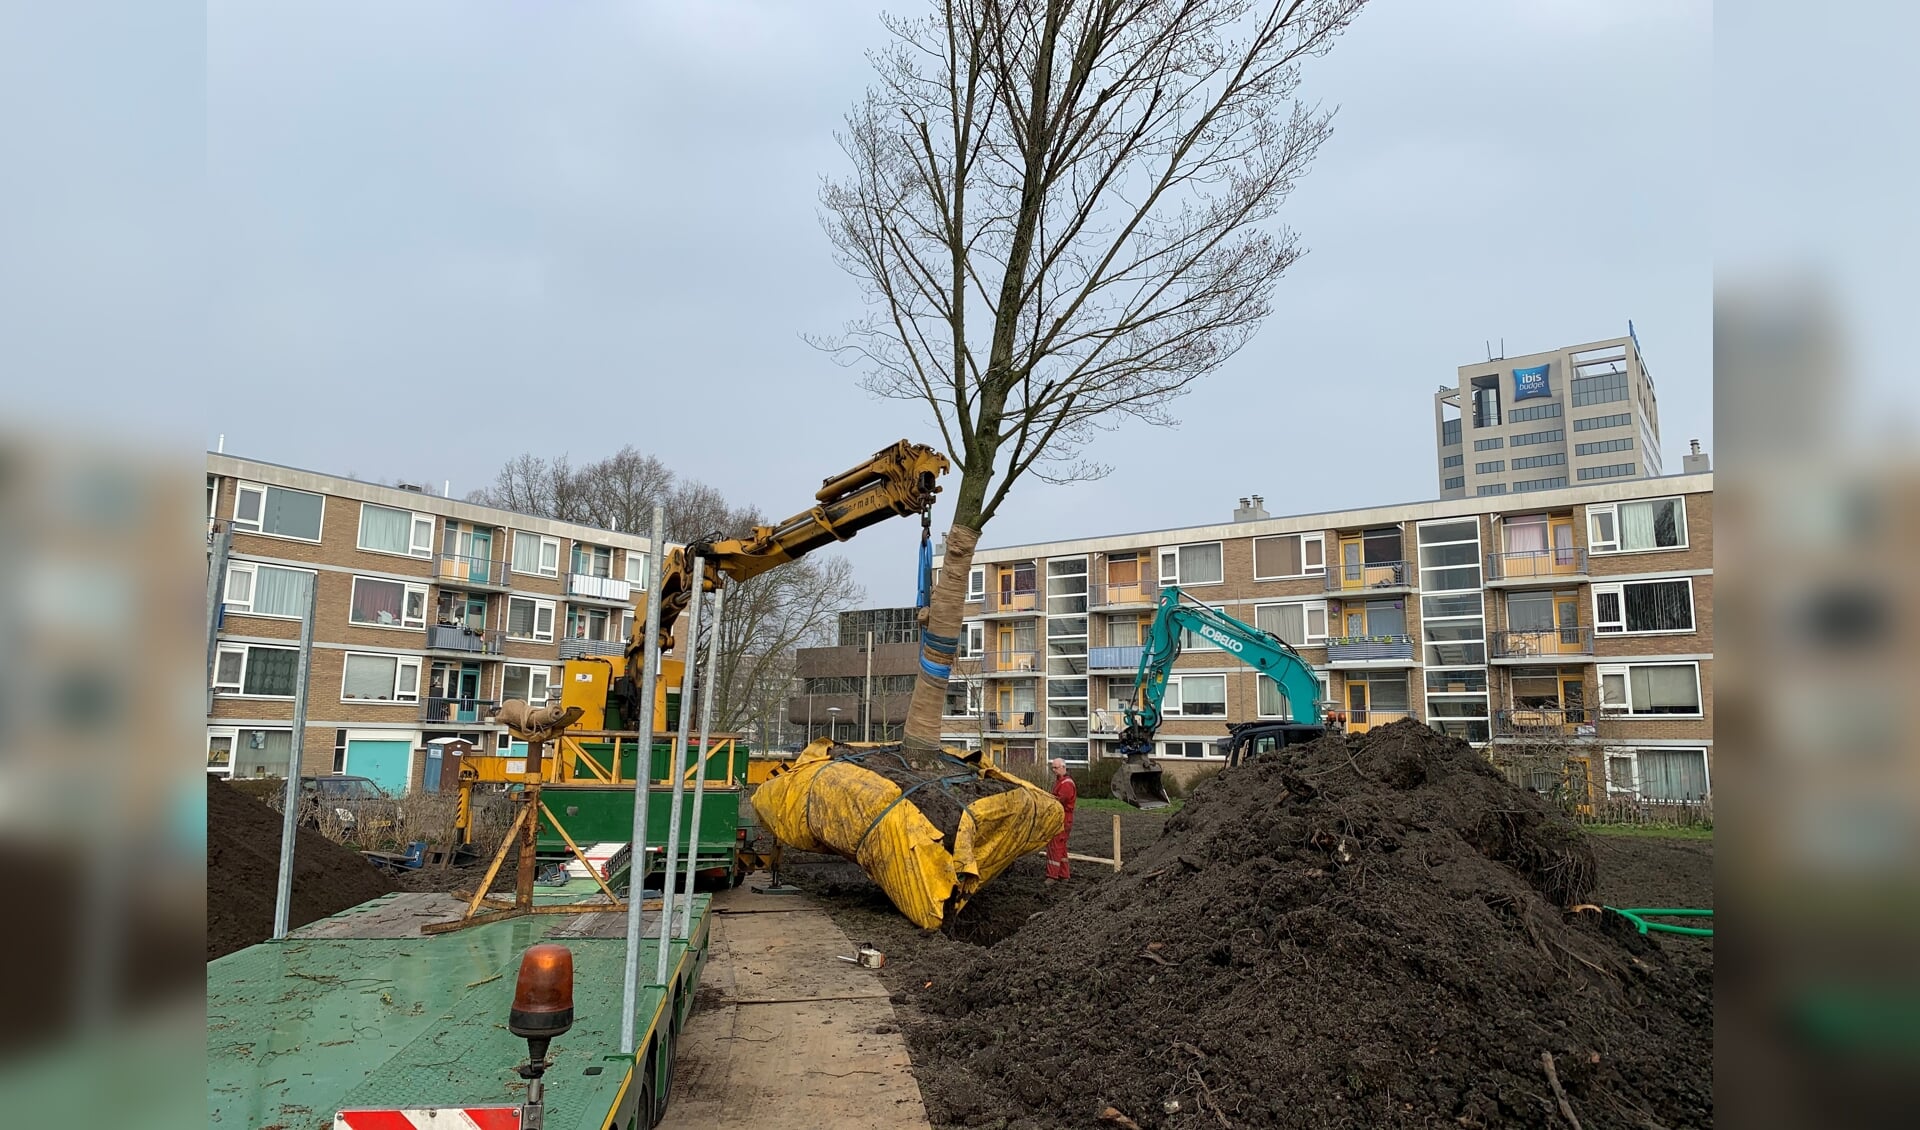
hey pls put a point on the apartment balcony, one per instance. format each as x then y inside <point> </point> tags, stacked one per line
<point>1528,567</point>
<point>1007,603</point>
<point>1123,596</point>
<point>456,711</point>
<point>1370,651</point>
<point>1010,722</point>
<point>458,570</point>
<point>1543,722</point>
<point>456,640</point>
<point>1007,664</point>
<point>1381,578</point>
<point>1536,645</point>
<point>1106,723</point>
<point>611,590</point>
<point>582,649</point>
<point>1113,660</point>
<point>1360,721</point>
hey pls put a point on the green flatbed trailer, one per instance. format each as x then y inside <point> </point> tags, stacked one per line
<point>361,1012</point>
<point>596,812</point>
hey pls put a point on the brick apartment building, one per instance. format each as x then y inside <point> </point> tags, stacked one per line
<point>1578,617</point>
<point>430,612</point>
<point>860,687</point>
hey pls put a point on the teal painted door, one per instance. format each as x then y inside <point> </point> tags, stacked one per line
<point>382,762</point>
<point>480,560</point>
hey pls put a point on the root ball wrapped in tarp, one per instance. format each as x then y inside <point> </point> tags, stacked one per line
<point>929,829</point>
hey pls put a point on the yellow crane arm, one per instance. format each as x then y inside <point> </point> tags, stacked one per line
<point>900,480</point>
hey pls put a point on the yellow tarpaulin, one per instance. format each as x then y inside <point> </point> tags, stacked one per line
<point>829,802</point>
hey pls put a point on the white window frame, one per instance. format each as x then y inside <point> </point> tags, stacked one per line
<point>1176,696</point>
<point>244,651</point>
<point>541,568</point>
<point>1632,754</point>
<point>1611,510</point>
<point>1312,570</point>
<point>255,525</point>
<point>1172,553</point>
<point>643,559</point>
<point>545,672</point>
<point>232,734</point>
<point>418,525</point>
<point>1175,749</point>
<point>1326,691</point>
<point>404,693</point>
<point>1624,709</point>
<point>977,583</point>
<point>407,590</point>
<point>251,570</point>
<point>539,606</point>
<point>1311,640</point>
<point>1618,589</point>
<point>973,639</point>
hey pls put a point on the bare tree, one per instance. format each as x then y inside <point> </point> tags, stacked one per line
<point>1057,211</point>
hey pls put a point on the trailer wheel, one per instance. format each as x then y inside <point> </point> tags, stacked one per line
<point>644,1106</point>
<point>663,1087</point>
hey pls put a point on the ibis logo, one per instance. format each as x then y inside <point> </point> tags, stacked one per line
<point>1221,638</point>
<point>1530,384</point>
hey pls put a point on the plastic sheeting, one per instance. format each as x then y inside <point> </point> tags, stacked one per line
<point>829,802</point>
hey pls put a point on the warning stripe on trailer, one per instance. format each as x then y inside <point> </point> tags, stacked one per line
<point>436,1118</point>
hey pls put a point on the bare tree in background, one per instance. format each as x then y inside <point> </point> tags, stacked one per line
<point>767,617</point>
<point>1058,212</point>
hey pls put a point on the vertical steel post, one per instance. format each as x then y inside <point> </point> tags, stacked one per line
<point>866,707</point>
<point>700,777</point>
<point>289,819</point>
<point>690,652</point>
<point>637,859</point>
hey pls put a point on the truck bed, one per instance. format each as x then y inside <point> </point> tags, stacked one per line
<point>360,1010</point>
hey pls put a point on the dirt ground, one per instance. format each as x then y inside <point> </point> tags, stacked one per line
<point>1359,934</point>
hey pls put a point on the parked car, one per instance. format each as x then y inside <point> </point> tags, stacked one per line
<point>356,806</point>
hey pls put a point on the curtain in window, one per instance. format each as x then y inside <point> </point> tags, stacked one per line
<point>526,552</point>
<point>1673,774</point>
<point>1664,690</point>
<point>1386,618</point>
<point>1288,621</point>
<point>1277,557</point>
<point>1527,536</point>
<point>1200,564</point>
<point>1205,695</point>
<point>369,676</point>
<point>260,753</point>
<point>520,618</point>
<point>1659,607</point>
<point>377,602</point>
<point>279,592</point>
<point>1273,704</point>
<point>1637,525</point>
<point>385,529</point>
<point>271,670</point>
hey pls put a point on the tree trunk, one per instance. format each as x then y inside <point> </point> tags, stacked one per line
<point>944,607</point>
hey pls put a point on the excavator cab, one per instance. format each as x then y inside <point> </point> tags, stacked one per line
<point>1137,780</point>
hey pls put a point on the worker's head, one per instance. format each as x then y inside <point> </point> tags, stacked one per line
<point>1059,767</point>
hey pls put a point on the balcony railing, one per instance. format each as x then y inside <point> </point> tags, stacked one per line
<point>1012,600</point>
<point>598,588</point>
<point>1376,576</point>
<point>1360,721</point>
<point>1542,721</point>
<point>1004,663</point>
<point>461,570</point>
<point>464,640</point>
<point>1114,658</point>
<point>1541,643</point>
<point>1536,564</point>
<point>578,649</point>
<point>456,710</point>
<point>1358,649</point>
<point>1119,596</point>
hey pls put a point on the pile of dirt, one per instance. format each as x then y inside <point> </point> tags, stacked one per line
<point>243,870</point>
<point>941,787</point>
<point>1366,931</point>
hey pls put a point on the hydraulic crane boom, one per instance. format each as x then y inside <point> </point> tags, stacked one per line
<point>899,480</point>
<point>1139,782</point>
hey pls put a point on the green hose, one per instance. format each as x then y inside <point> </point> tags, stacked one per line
<point>1638,915</point>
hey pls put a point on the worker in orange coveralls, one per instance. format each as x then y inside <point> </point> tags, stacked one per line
<point>1064,792</point>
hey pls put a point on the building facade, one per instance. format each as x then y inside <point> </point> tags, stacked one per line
<point>859,689</point>
<point>1573,416</point>
<point>1578,617</point>
<point>430,612</point>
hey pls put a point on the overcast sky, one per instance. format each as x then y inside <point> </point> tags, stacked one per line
<point>446,233</point>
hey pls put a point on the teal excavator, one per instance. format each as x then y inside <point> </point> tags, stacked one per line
<point>1138,781</point>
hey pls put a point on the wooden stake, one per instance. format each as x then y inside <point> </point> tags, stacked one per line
<point>493,869</point>
<point>1116,841</point>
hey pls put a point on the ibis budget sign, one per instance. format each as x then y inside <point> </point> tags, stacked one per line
<point>1531,384</point>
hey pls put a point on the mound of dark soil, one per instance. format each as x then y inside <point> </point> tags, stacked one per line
<point>1368,931</point>
<point>243,869</point>
<point>941,787</point>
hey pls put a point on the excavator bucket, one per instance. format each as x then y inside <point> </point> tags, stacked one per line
<point>1138,783</point>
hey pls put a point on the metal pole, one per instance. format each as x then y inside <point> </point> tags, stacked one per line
<point>866,707</point>
<point>690,663</point>
<point>283,893</point>
<point>643,769</point>
<point>700,777</point>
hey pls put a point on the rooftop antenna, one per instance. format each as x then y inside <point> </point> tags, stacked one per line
<point>1503,349</point>
<point>222,447</point>
<point>1488,342</point>
<point>446,488</point>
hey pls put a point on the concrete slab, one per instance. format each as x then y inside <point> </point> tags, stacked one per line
<point>786,1036</point>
